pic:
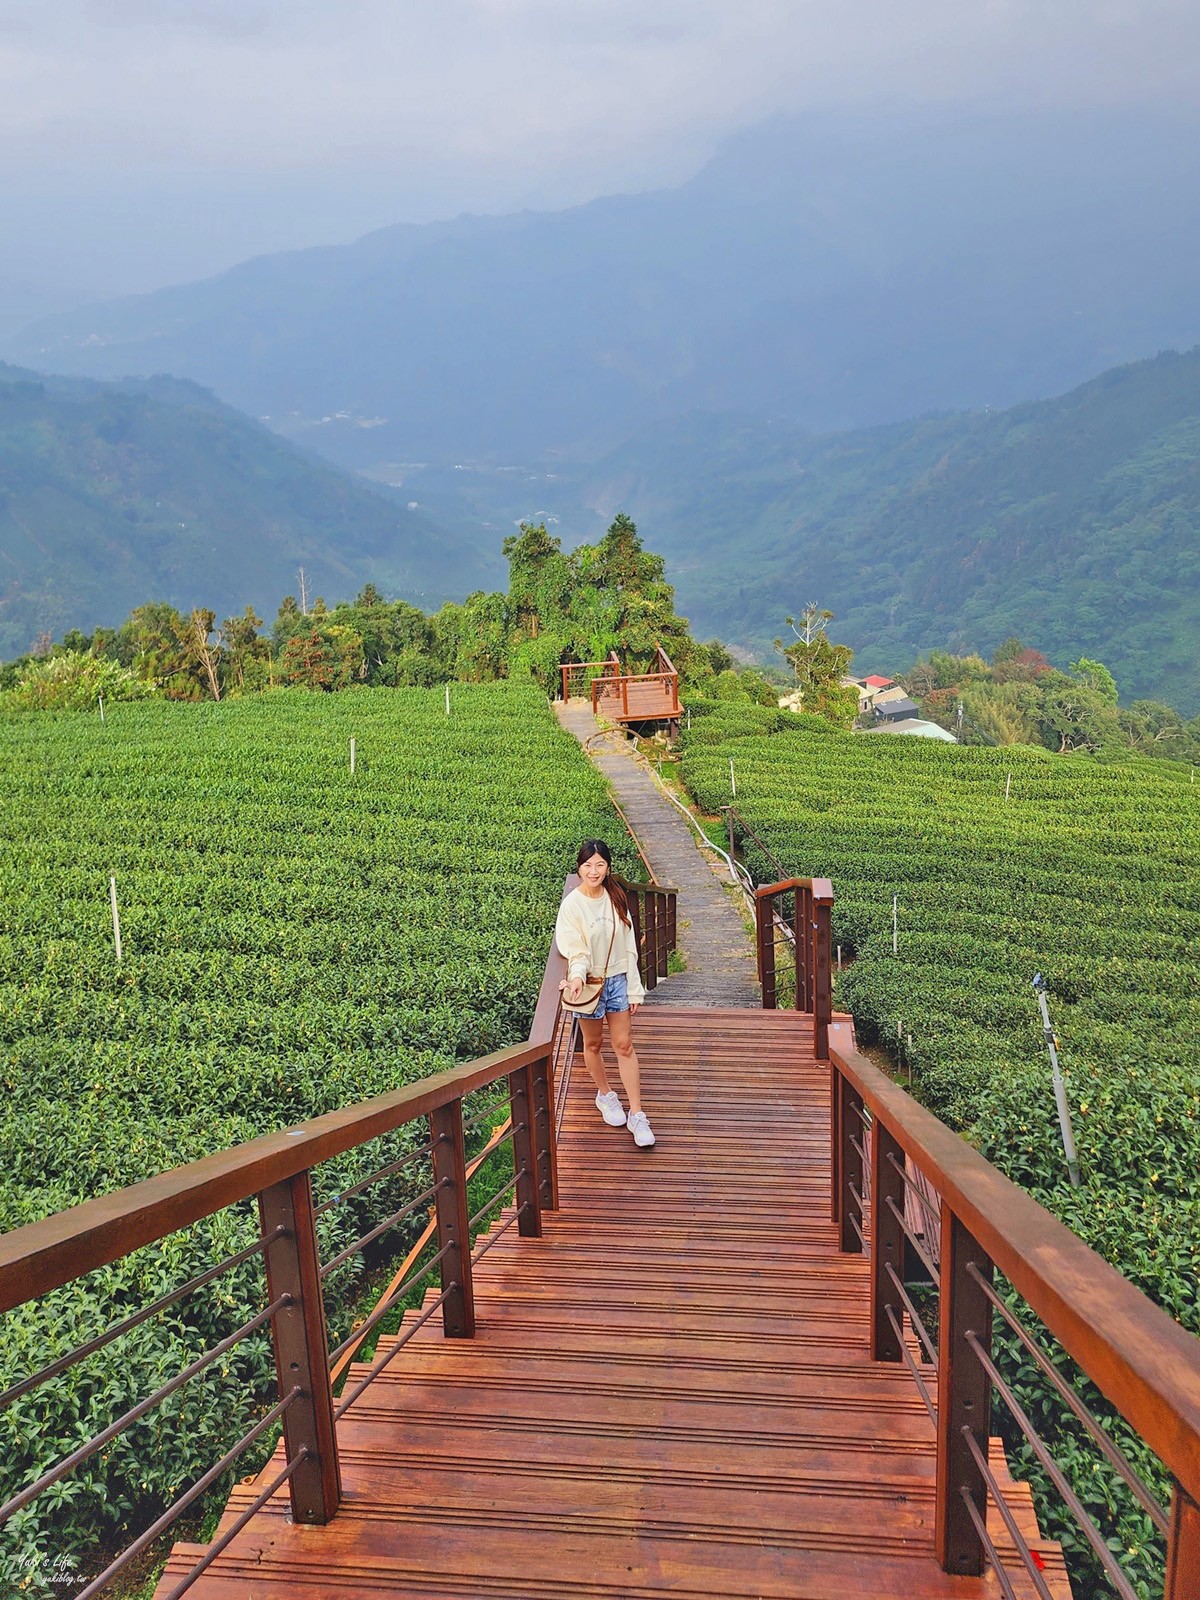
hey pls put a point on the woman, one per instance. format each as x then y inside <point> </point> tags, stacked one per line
<point>594,932</point>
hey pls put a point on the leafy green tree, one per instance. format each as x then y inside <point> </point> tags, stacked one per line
<point>245,650</point>
<point>73,680</point>
<point>819,667</point>
<point>1073,716</point>
<point>1097,676</point>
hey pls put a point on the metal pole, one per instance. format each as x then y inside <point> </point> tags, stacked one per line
<point>895,924</point>
<point>352,756</point>
<point>732,779</point>
<point>1060,1088</point>
<point>1008,785</point>
<point>100,698</point>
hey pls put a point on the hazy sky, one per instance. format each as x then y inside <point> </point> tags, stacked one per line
<point>143,141</point>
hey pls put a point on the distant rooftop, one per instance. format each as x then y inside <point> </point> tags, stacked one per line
<point>916,726</point>
<point>876,682</point>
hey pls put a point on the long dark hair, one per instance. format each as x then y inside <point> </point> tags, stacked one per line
<point>620,900</point>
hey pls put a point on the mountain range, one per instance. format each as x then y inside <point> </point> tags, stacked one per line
<point>838,271</point>
<point>114,494</point>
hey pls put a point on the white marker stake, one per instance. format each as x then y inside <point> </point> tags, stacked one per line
<point>352,756</point>
<point>447,699</point>
<point>116,920</point>
<point>100,699</point>
<point>895,924</point>
<point>732,779</point>
<point>1008,786</point>
<point>839,958</point>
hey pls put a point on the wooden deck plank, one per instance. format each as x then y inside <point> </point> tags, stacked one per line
<point>669,1394</point>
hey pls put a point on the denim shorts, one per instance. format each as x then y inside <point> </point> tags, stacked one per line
<point>613,997</point>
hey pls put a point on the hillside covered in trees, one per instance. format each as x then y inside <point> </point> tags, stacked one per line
<point>1072,522</point>
<point>113,493</point>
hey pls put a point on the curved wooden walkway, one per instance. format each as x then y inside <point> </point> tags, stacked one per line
<point>669,1394</point>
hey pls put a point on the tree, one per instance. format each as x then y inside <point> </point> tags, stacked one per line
<point>1097,676</point>
<point>819,667</point>
<point>243,644</point>
<point>1073,716</point>
<point>205,649</point>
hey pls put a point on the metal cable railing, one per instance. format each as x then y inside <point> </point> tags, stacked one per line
<point>928,1182</point>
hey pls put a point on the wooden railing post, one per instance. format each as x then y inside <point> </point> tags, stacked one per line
<point>850,1129</point>
<point>765,928</point>
<point>964,1397</point>
<point>301,1346</point>
<point>454,1235</point>
<point>672,926</point>
<point>887,1242</point>
<point>1183,1547</point>
<point>635,917</point>
<point>822,977</point>
<point>660,901</point>
<point>544,1136</point>
<point>835,1143</point>
<point>525,1153</point>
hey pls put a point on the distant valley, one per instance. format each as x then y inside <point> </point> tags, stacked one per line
<point>115,494</point>
<point>839,271</point>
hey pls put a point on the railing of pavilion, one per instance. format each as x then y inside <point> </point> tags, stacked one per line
<point>608,684</point>
<point>989,1250</point>
<point>581,675</point>
<point>276,1172</point>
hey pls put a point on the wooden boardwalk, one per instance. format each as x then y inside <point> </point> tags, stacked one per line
<point>713,939</point>
<point>669,1393</point>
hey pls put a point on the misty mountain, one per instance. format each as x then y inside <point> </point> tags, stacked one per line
<point>838,271</point>
<point>114,494</point>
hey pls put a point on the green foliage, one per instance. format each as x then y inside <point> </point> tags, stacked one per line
<point>1021,699</point>
<point>1087,872</point>
<point>296,939</point>
<point>72,681</point>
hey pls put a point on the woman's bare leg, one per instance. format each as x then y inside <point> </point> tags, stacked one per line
<point>592,1029</point>
<point>620,1032</point>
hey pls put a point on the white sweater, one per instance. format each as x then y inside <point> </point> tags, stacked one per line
<point>583,931</point>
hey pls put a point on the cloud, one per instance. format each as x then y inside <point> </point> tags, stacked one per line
<point>545,87</point>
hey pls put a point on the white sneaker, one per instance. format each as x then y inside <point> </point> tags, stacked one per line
<point>639,1127</point>
<point>610,1108</point>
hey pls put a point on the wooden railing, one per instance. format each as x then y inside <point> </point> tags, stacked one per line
<point>276,1172</point>
<point>610,685</point>
<point>807,923</point>
<point>981,1225</point>
<point>573,671</point>
<point>652,910</point>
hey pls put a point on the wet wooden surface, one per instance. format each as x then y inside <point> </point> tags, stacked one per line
<point>669,1394</point>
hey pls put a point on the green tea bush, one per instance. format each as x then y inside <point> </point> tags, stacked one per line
<point>1088,872</point>
<point>296,938</point>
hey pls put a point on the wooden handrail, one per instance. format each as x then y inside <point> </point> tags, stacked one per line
<point>812,939</point>
<point>1136,1355</point>
<point>822,888</point>
<point>45,1255</point>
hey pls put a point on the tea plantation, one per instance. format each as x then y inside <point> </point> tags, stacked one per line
<point>296,938</point>
<point>1087,872</point>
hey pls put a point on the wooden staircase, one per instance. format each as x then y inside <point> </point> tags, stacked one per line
<point>669,1393</point>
